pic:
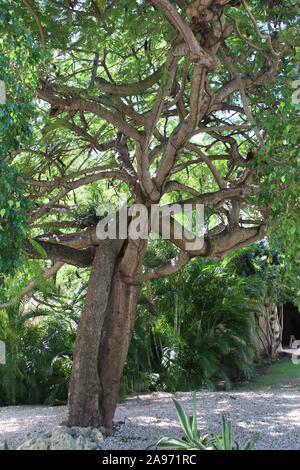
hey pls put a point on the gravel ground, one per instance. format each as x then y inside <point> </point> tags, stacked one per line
<point>140,420</point>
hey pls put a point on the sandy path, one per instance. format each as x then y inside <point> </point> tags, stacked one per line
<point>275,414</point>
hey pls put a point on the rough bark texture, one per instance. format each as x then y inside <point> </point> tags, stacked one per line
<point>84,384</point>
<point>118,328</point>
<point>104,334</point>
<point>269,331</point>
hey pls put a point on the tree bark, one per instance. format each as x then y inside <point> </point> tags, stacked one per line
<point>118,328</point>
<point>84,384</point>
<point>104,333</point>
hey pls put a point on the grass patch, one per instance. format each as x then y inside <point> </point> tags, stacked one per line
<point>281,372</point>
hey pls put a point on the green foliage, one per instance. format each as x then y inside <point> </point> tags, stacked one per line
<point>215,324</point>
<point>194,440</point>
<point>279,172</point>
<point>13,219</point>
<point>19,58</point>
<point>38,248</point>
<point>39,357</point>
<point>198,332</point>
<point>268,276</point>
<point>39,337</point>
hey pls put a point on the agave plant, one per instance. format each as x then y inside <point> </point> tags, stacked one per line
<point>6,446</point>
<point>225,441</point>
<point>194,440</point>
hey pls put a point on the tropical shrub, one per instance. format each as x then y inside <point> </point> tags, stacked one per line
<point>269,283</point>
<point>199,326</point>
<point>216,327</point>
<point>39,350</point>
<point>198,331</point>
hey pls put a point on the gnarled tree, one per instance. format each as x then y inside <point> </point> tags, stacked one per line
<point>164,100</point>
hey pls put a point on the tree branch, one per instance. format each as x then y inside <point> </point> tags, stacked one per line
<point>131,89</point>
<point>63,253</point>
<point>48,93</point>
<point>33,284</point>
<point>38,22</point>
<point>197,52</point>
<point>169,268</point>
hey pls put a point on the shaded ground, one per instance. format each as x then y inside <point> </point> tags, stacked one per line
<point>281,373</point>
<point>274,413</point>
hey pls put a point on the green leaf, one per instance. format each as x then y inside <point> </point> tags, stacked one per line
<point>171,443</point>
<point>251,442</point>
<point>101,4</point>
<point>41,251</point>
<point>227,433</point>
<point>194,421</point>
<point>183,419</point>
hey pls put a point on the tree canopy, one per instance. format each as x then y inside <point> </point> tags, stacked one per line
<point>129,93</point>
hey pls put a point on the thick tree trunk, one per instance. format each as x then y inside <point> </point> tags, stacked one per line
<point>118,328</point>
<point>104,333</point>
<point>84,384</point>
<point>269,330</point>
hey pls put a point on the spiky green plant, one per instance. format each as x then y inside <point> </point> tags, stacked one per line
<point>226,442</point>
<point>194,440</point>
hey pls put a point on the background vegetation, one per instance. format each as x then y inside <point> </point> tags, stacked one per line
<point>194,329</point>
